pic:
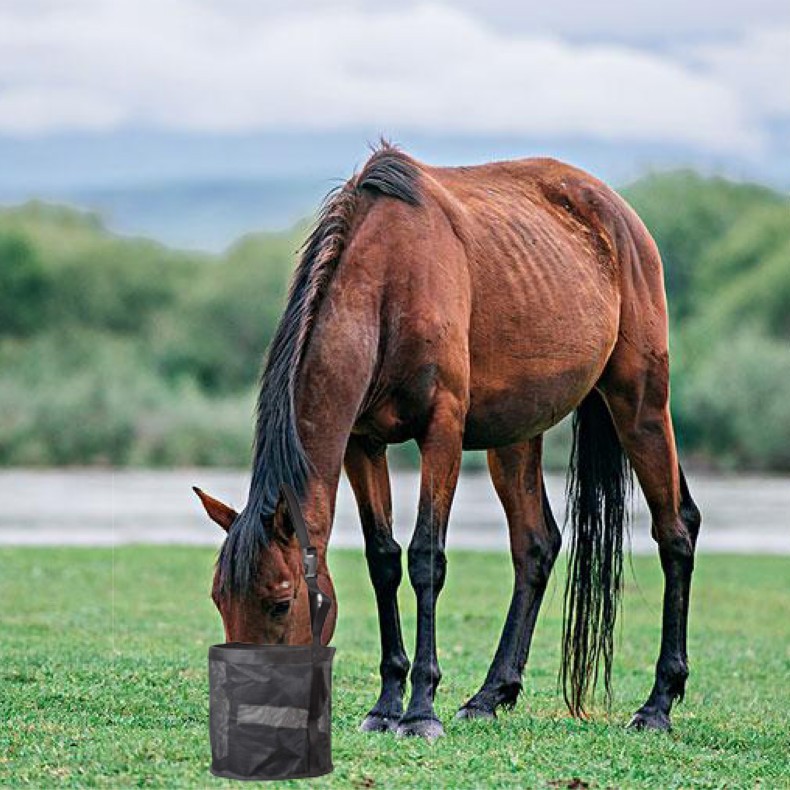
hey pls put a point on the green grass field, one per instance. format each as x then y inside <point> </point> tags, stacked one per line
<point>103,678</point>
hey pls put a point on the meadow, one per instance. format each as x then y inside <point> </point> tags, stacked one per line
<point>103,681</point>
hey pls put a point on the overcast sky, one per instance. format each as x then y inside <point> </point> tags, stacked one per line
<point>709,76</point>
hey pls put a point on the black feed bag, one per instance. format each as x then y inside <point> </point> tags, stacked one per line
<point>270,706</point>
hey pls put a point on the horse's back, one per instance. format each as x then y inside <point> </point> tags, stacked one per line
<point>505,284</point>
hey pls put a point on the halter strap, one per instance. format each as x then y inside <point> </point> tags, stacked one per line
<point>320,604</point>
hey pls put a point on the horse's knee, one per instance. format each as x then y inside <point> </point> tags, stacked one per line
<point>427,566</point>
<point>384,564</point>
<point>542,554</point>
<point>677,530</point>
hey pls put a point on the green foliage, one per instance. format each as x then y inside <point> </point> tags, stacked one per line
<point>228,316</point>
<point>726,253</point>
<point>738,402</point>
<point>755,235</point>
<point>686,213</point>
<point>88,398</point>
<point>104,680</point>
<point>120,351</point>
<point>24,286</point>
<point>120,286</point>
<point>67,399</point>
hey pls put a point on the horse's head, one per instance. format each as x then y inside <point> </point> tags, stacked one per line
<point>274,609</point>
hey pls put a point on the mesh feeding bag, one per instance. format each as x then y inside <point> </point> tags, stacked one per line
<point>270,707</point>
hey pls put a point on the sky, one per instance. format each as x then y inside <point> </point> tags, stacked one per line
<point>93,92</point>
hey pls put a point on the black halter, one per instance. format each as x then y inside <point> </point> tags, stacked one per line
<point>320,604</point>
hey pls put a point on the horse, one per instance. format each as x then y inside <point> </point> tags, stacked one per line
<point>468,308</point>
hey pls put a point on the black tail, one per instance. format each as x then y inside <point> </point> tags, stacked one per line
<point>599,484</point>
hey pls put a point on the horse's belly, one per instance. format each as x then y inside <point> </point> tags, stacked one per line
<point>520,386</point>
<point>505,413</point>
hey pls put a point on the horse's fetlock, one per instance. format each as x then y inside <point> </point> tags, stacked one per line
<point>673,672</point>
<point>428,674</point>
<point>395,666</point>
<point>509,692</point>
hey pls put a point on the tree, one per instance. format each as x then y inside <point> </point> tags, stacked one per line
<point>24,286</point>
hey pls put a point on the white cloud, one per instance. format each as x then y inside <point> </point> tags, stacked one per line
<point>180,64</point>
<point>669,22</point>
<point>757,66</point>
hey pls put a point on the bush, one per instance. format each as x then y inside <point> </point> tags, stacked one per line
<point>738,400</point>
<point>189,428</point>
<point>217,336</point>
<point>72,400</point>
<point>92,399</point>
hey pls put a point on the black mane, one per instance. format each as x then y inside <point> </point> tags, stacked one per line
<point>278,454</point>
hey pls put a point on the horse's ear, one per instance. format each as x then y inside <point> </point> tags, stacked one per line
<point>282,527</point>
<point>218,512</point>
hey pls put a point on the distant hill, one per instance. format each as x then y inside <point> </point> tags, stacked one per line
<point>204,215</point>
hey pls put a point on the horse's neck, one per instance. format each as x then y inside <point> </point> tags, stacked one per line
<point>336,370</point>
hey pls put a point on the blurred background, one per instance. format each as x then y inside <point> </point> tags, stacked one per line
<point>160,162</point>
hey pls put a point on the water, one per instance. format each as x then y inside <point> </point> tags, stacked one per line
<point>101,508</point>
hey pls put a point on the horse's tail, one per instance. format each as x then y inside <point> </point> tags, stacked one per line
<point>599,482</point>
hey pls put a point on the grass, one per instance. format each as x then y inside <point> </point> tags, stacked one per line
<point>103,678</point>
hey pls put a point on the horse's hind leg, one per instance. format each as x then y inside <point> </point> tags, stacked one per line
<point>534,543</point>
<point>366,467</point>
<point>637,391</point>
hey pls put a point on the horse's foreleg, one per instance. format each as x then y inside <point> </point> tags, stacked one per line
<point>440,449</point>
<point>534,544</point>
<point>645,429</point>
<point>366,467</point>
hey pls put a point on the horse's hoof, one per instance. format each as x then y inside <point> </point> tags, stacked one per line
<point>375,723</point>
<point>650,720</point>
<point>430,729</point>
<point>473,712</point>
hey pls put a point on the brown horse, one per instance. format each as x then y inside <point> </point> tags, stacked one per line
<point>468,307</point>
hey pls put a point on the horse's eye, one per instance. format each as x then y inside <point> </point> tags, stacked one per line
<point>280,608</point>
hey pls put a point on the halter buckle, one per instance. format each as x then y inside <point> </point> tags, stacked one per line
<point>310,562</point>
